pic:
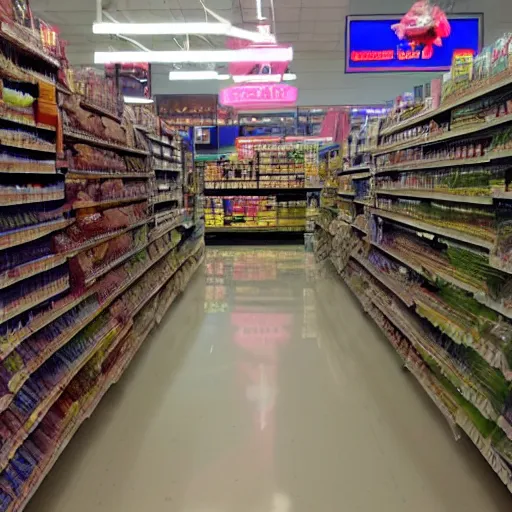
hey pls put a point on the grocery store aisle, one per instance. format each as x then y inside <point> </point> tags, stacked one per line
<point>266,390</point>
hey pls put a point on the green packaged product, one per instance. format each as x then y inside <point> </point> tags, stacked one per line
<point>482,64</point>
<point>499,61</point>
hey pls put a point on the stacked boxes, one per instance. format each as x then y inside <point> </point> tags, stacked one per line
<point>214,212</point>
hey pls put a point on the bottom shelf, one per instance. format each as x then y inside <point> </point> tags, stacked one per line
<point>95,394</point>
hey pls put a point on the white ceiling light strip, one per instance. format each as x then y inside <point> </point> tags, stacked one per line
<point>197,75</point>
<point>137,99</point>
<point>202,28</point>
<point>259,14</point>
<point>272,54</point>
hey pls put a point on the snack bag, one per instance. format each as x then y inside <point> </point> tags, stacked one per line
<point>482,66</point>
<point>499,61</point>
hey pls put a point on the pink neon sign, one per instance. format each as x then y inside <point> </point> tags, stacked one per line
<point>258,96</point>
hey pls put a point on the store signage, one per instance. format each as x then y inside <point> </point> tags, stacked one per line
<point>258,96</point>
<point>372,45</point>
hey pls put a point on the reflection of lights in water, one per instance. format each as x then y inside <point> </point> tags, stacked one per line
<point>255,330</point>
<point>281,502</point>
<point>263,394</point>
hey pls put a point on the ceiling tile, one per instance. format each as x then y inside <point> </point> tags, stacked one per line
<point>288,3</point>
<point>70,18</point>
<point>287,38</point>
<point>287,27</point>
<point>321,36</point>
<point>304,36</point>
<point>128,5</point>
<point>250,15</point>
<point>199,14</point>
<point>189,4</point>
<point>323,14</point>
<point>330,27</point>
<point>307,26</point>
<point>40,6</point>
<point>289,14</point>
<point>326,3</point>
<point>214,5</point>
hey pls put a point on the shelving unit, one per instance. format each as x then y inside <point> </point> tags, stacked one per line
<point>268,188</point>
<point>432,266</point>
<point>97,252</point>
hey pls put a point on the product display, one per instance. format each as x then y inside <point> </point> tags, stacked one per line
<point>420,233</point>
<point>270,184</point>
<point>100,229</point>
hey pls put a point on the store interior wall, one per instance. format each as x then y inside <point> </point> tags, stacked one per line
<point>320,67</point>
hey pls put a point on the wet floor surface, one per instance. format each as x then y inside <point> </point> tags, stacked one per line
<point>267,389</point>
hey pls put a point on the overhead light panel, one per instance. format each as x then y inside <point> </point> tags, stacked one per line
<point>287,77</point>
<point>200,28</point>
<point>137,99</point>
<point>197,75</point>
<point>272,54</point>
<point>259,14</point>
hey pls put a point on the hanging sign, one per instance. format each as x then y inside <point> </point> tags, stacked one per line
<point>258,96</point>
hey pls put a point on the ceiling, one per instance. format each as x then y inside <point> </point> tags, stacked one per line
<point>309,25</point>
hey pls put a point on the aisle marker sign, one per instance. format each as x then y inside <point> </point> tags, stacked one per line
<point>259,96</point>
<point>372,46</point>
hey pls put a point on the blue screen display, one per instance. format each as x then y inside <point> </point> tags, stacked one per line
<point>372,46</point>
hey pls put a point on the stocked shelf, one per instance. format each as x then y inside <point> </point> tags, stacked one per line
<point>100,110</point>
<point>30,303</point>
<point>18,380</point>
<point>249,229</point>
<point>26,122</point>
<point>256,191</point>
<point>8,33</point>
<point>89,139</point>
<point>455,198</point>
<point>28,147</point>
<point>29,269</point>
<point>93,399</point>
<point>424,226</point>
<point>103,238</point>
<point>433,267</point>
<point>86,267</point>
<point>77,205</point>
<point>8,450</point>
<point>434,164</point>
<point>26,198</point>
<point>154,138</point>
<point>41,320</point>
<point>454,134</point>
<point>27,234</point>
<point>165,197</point>
<point>481,91</point>
<point>24,171</point>
<point>388,283</point>
<point>354,170</point>
<point>362,176</point>
<point>98,175</point>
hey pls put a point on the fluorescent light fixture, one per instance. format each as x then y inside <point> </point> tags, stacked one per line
<point>137,99</point>
<point>271,54</point>
<point>202,28</point>
<point>258,10</point>
<point>287,77</point>
<point>197,75</point>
